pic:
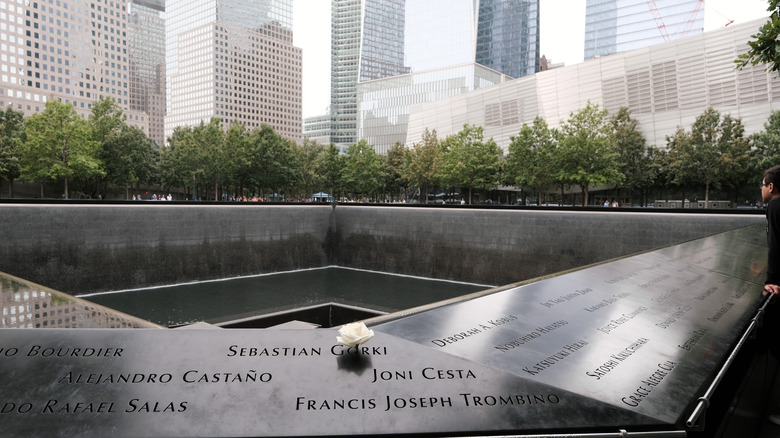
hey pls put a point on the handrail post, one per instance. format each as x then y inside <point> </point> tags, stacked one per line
<point>697,418</point>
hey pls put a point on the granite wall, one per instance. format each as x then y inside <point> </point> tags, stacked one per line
<point>92,247</point>
<point>499,247</point>
<point>80,248</point>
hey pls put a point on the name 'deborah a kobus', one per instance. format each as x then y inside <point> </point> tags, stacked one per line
<point>483,327</point>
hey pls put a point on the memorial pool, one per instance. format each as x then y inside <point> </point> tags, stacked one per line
<point>221,300</point>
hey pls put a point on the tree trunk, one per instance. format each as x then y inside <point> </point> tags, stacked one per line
<point>584,190</point>
<point>469,195</point>
<point>707,196</point>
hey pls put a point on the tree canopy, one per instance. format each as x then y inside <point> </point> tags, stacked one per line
<point>58,146</point>
<point>589,157</point>
<point>11,136</point>
<point>765,45</point>
<point>470,161</point>
<point>591,149</point>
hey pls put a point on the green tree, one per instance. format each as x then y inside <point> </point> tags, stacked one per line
<point>588,155</point>
<point>679,160</point>
<point>735,153</point>
<point>211,155</point>
<point>633,156</point>
<point>713,154</point>
<point>238,166</point>
<point>705,134</point>
<point>364,169</point>
<point>394,169</point>
<point>532,159</point>
<point>59,146</point>
<point>106,121</point>
<point>129,158</point>
<point>311,157</point>
<point>765,46</point>
<point>272,160</point>
<point>422,164</point>
<point>11,134</point>
<point>175,168</point>
<point>767,145</point>
<point>333,171</point>
<point>470,161</point>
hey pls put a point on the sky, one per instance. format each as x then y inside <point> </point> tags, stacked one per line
<point>561,39</point>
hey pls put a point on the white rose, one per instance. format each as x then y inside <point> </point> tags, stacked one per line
<point>354,334</point>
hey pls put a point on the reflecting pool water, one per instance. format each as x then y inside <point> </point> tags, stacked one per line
<point>247,296</point>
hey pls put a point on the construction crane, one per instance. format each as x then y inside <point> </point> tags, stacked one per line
<point>659,21</point>
<point>689,23</point>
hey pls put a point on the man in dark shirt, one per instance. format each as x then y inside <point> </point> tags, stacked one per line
<point>770,193</point>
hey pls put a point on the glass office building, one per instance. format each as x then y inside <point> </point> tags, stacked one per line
<point>373,40</point>
<point>508,36</point>
<point>233,60</point>
<point>614,26</point>
<point>385,104</point>
<point>146,55</point>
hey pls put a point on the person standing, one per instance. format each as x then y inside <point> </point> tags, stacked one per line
<point>770,194</point>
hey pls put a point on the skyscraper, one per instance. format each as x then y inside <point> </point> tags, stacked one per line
<point>146,53</point>
<point>380,39</point>
<point>70,50</point>
<point>613,26</point>
<point>233,60</point>
<point>508,36</point>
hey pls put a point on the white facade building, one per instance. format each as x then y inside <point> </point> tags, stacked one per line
<point>665,86</point>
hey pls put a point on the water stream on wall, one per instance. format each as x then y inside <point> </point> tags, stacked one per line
<point>248,296</point>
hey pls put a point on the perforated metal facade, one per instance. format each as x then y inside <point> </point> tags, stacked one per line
<point>665,86</point>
